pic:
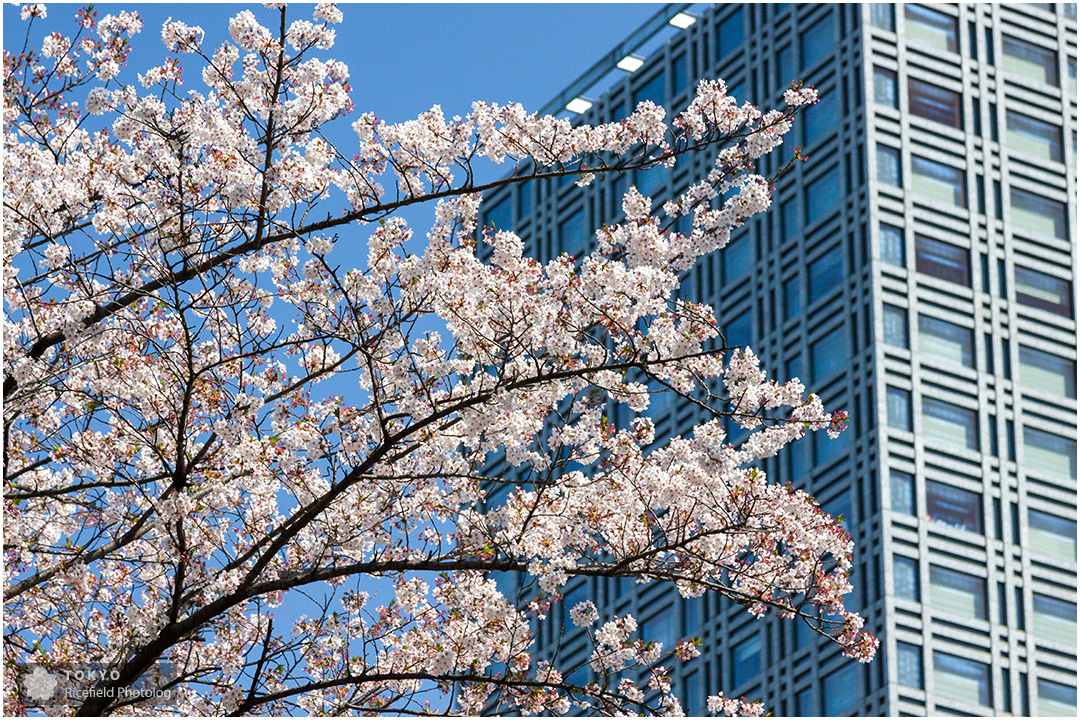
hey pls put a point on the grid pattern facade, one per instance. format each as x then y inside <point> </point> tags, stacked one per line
<point>919,273</point>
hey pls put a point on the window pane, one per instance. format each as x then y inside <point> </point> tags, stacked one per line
<point>1038,214</point>
<point>957,593</point>
<point>961,679</point>
<point>730,33</point>
<point>881,16</point>
<point>885,87</point>
<point>892,244</point>
<point>1049,453</point>
<point>822,198</point>
<point>785,73</point>
<point>840,689</point>
<point>909,665</point>
<point>649,180</point>
<point>738,258</point>
<point>902,492</point>
<point>1054,619</point>
<point>498,216</point>
<point>1029,60</point>
<point>826,274</point>
<point>678,74</point>
<point>572,234</point>
<point>930,28</point>
<point>1033,137</point>
<point>792,298</point>
<point>945,341</point>
<point>954,506</point>
<point>906,578</point>
<point>895,321</point>
<point>1051,535</point>
<point>1046,292</point>
<point>817,42</point>
<point>942,260</point>
<point>945,422</point>
<point>1047,373</point>
<point>934,103</point>
<point>938,182</point>
<point>1056,700</point>
<point>746,660</point>
<point>660,628</point>
<point>653,89</point>
<point>829,355</point>
<point>820,120</point>
<point>888,166</point>
<point>899,408</point>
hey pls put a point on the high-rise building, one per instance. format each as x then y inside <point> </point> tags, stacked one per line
<point>919,272</point>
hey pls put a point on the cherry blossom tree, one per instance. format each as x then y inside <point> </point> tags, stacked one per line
<point>237,388</point>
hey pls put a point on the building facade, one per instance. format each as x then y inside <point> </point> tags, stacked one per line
<point>919,272</point>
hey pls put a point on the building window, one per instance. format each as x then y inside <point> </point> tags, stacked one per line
<point>792,298</point>
<point>678,74</point>
<point>945,341</point>
<point>1042,291</point>
<point>660,628</point>
<point>1055,699</point>
<point>1049,453</point>
<point>899,408</point>
<point>785,72</point>
<point>729,34</point>
<point>739,332</point>
<point>826,274</point>
<point>885,87</point>
<point>829,355</point>
<point>902,492</point>
<point>649,180</point>
<point>746,660</point>
<point>888,166</point>
<point>953,506</point>
<point>822,196</point>
<point>840,689</point>
<point>938,182</point>
<point>1047,373</point>
<point>1033,137</point>
<point>1030,61</point>
<point>804,703</point>
<point>942,260</point>
<point>572,234</point>
<point>738,258</point>
<point>906,578</point>
<point>821,119</point>
<point>1038,214</point>
<point>930,28</point>
<point>498,215</point>
<point>1054,619</point>
<point>934,103</point>
<point>950,423</point>
<point>957,593</point>
<point>895,321</point>
<point>881,16</point>
<point>826,449</point>
<point>909,670</point>
<point>817,42</point>
<point>961,679</point>
<point>1051,535</point>
<point>652,89</point>
<point>891,240</point>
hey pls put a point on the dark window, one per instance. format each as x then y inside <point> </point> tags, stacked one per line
<point>934,103</point>
<point>739,331</point>
<point>898,402</point>
<point>1038,214</point>
<point>1033,137</point>
<point>1047,373</point>
<point>823,196</point>
<point>930,28</point>
<point>829,355</point>
<point>649,180</point>
<point>498,216</point>
<point>946,341</point>
<point>942,260</point>
<point>888,166</point>
<point>891,240</point>
<point>840,689</point>
<point>1046,292</point>
<point>885,87</point>
<point>792,298</point>
<point>785,71</point>
<point>746,660</point>
<point>1031,61</point>
<point>957,593</point>
<point>653,89</point>
<point>895,321</point>
<point>961,679</point>
<point>909,669</point>
<point>902,491</point>
<point>938,182</point>
<point>738,258</point>
<point>906,578</point>
<point>789,212</point>
<point>953,506</point>
<point>678,74</point>
<point>820,120</point>
<point>572,234</point>
<point>826,274</point>
<point>818,42</point>
<point>730,33</point>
